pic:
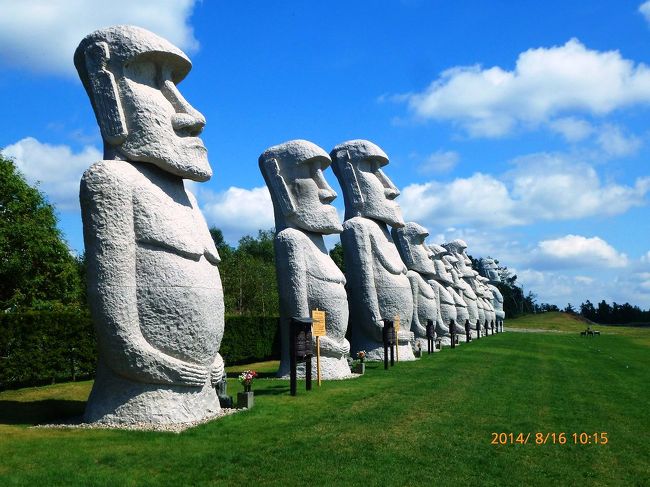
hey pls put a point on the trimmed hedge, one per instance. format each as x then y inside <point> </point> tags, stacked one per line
<point>44,347</point>
<point>40,347</point>
<point>249,339</point>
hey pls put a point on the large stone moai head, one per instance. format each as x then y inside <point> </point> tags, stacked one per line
<point>377,283</point>
<point>308,278</point>
<point>154,288</point>
<point>416,254</point>
<point>489,269</point>
<point>130,75</point>
<point>367,191</point>
<point>301,196</point>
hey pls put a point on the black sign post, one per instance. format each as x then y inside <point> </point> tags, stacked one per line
<point>452,329</point>
<point>388,335</point>
<point>468,337</point>
<point>487,330</point>
<point>492,326</point>
<point>430,336</point>
<point>300,350</point>
<point>478,330</point>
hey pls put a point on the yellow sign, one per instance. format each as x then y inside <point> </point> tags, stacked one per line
<point>318,327</point>
<point>396,324</point>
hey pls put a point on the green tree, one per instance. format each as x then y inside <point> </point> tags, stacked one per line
<point>36,267</point>
<point>248,274</point>
<point>337,256</point>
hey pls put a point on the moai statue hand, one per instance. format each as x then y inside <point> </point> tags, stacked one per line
<point>377,284</point>
<point>418,259</point>
<point>308,278</point>
<point>153,285</point>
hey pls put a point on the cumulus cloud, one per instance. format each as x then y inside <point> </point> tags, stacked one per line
<point>616,143</point>
<point>545,83</point>
<point>573,251</point>
<point>539,187</point>
<point>56,168</point>
<point>571,128</point>
<point>644,8</point>
<point>41,35</point>
<point>238,211</point>
<point>439,162</point>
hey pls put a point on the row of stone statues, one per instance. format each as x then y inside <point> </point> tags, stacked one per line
<point>153,283</point>
<point>389,274</point>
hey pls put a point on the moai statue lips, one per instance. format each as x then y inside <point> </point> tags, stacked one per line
<point>308,278</point>
<point>378,287</point>
<point>153,286</point>
<point>417,257</point>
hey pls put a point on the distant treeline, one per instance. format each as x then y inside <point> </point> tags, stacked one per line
<point>603,313</point>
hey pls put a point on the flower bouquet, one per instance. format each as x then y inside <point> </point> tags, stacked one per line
<point>246,379</point>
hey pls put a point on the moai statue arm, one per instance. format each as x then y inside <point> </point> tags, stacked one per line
<point>360,276</point>
<point>292,273</point>
<point>416,326</point>
<point>107,211</point>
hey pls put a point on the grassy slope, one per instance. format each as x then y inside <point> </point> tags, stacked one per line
<point>420,423</point>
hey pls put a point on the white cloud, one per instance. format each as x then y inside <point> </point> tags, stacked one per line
<point>238,211</point>
<point>571,128</point>
<point>41,35</point>
<point>574,251</point>
<point>545,83</point>
<point>539,187</point>
<point>56,168</point>
<point>615,143</point>
<point>440,162</point>
<point>644,8</point>
<point>551,187</point>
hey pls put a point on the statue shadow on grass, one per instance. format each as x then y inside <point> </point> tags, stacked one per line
<point>39,412</point>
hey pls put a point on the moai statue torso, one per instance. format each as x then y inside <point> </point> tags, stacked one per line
<point>153,286</point>
<point>417,257</point>
<point>489,270</point>
<point>378,287</point>
<point>466,309</point>
<point>441,281</point>
<point>308,278</point>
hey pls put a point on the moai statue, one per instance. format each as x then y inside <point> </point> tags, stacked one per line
<point>308,278</point>
<point>441,281</point>
<point>466,309</point>
<point>463,278</point>
<point>153,285</point>
<point>489,269</point>
<point>488,297</point>
<point>378,288</point>
<point>418,259</point>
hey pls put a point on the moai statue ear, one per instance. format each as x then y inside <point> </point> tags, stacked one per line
<point>106,99</point>
<point>279,187</point>
<point>355,190</point>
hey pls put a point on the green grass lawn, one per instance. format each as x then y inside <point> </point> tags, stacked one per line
<point>422,423</point>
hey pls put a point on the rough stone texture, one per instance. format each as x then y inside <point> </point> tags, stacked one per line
<point>378,286</point>
<point>153,286</point>
<point>418,259</point>
<point>307,277</point>
<point>489,269</point>
<point>441,281</point>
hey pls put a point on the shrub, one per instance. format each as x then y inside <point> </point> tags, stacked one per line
<point>43,347</point>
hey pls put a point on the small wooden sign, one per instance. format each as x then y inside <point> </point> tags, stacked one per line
<point>318,328</point>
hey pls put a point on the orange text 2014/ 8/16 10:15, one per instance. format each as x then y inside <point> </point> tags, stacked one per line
<point>550,438</point>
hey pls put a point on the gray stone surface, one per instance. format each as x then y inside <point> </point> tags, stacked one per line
<point>153,285</point>
<point>418,259</point>
<point>489,269</point>
<point>442,281</point>
<point>378,286</point>
<point>308,278</point>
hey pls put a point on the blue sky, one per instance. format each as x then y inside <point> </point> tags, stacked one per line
<point>517,126</point>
